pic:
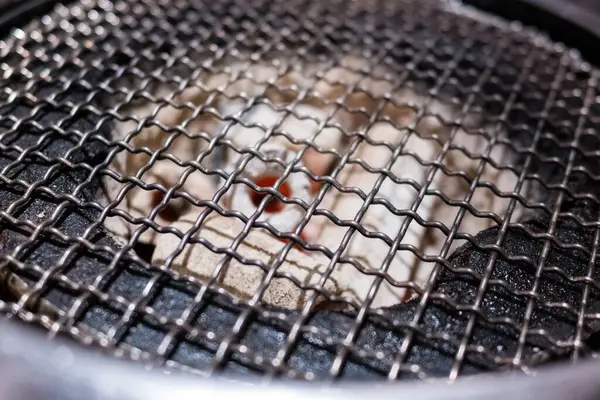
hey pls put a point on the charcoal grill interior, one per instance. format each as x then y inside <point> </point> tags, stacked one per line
<point>517,295</point>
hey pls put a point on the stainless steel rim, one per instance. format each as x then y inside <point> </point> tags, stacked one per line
<point>33,367</point>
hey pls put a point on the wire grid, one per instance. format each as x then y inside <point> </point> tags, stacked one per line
<point>519,82</point>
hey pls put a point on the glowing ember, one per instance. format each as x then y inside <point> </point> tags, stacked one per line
<point>274,205</point>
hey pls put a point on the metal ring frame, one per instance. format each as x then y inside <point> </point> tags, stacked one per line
<point>33,367</point>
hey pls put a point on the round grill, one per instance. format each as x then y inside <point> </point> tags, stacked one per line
<point>117,118</point>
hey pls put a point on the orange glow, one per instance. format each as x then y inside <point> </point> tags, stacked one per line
<point>274,205</point>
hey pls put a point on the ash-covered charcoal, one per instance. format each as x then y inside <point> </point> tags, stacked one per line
<point>281,127</point>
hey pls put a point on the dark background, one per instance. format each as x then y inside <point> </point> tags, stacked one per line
<point>573,22</point>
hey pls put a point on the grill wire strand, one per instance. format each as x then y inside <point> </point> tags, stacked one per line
<point>530,284</point>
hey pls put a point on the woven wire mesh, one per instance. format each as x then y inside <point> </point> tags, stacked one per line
<point>519,293</point>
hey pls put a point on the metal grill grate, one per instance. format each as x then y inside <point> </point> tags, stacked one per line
<point>522,289</point>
